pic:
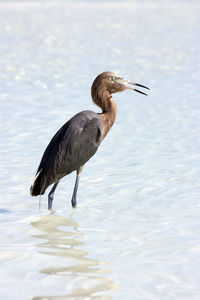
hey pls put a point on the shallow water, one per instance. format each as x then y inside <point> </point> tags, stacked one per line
<point>135,233</point>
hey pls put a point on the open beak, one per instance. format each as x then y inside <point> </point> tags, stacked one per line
<point>125,83</point>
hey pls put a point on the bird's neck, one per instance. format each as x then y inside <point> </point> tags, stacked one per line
<point>108,116</point>
<point>109,109</point>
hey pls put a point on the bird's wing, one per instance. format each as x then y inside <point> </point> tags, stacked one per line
<point>79,144</point>
<point>72,146</point>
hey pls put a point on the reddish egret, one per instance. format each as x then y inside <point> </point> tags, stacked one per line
<point>78,139</point>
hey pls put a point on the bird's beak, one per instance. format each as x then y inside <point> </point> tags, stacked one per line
<point>125,83</point>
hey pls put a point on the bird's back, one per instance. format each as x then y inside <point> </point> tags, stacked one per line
<point>70,148</point>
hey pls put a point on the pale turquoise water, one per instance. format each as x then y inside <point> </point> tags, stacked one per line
<point>135,234</point>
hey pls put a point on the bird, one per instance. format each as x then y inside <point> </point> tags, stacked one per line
<point>80,137</point>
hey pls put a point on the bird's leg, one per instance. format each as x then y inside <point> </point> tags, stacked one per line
<point>51,195</point>
<point>75,192</point>
<point>78,172</point>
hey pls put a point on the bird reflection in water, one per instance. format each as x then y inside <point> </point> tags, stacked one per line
<point>61,239</point>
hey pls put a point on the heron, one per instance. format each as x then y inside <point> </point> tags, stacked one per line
<point>80,137</point>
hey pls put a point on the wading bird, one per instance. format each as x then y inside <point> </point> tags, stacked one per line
<point>78,139</point>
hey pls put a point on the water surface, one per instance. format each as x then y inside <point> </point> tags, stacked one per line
<point>135,233</point>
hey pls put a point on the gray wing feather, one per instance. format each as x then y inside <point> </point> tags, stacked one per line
<point>71,147</point>
<point>79,144</point>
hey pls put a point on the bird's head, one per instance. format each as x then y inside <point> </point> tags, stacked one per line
<point>114,83</point>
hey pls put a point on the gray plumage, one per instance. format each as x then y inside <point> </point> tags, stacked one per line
<point>70,148</point>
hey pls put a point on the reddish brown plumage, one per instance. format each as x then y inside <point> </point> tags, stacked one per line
<point>101,96</point>
<point>108,117</point>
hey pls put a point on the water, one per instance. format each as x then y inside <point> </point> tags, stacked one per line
<point>135,233</point>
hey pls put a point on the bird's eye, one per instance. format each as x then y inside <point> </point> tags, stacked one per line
<point>113,78</point>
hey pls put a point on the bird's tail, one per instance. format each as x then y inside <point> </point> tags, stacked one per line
<point>38,187</point>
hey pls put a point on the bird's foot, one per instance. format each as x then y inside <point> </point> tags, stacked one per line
<point>74,203</point>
